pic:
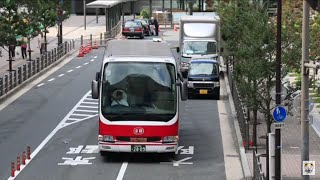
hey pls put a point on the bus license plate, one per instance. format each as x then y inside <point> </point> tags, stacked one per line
<point>138,148</point>
<point>203,91</point>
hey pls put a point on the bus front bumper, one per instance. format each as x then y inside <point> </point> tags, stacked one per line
<point>128,147</point>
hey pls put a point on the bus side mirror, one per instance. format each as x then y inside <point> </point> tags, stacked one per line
<point>97,76</point>
<point>95,89</point>
<point>184,90</point>
<point>178,49</point>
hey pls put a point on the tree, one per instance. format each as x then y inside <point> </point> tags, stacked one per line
<point>12,24</point>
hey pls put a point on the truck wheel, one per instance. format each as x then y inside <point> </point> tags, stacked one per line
<point>217,96</point>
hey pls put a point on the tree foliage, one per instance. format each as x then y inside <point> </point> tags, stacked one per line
<point>28,18</point>
<point>250,36</point>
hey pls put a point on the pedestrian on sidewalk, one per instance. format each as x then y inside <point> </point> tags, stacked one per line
<point>12,50</point>
<point>24,48</point>
<point>156,25</point>
<point>41,44</point>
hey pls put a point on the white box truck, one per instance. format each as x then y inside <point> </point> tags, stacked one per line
<point>199,37</point>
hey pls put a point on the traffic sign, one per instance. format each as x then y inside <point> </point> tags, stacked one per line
<point>279,114</point>
<point>284,92</point>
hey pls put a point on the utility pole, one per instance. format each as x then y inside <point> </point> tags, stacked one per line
<point>305,87</point>
<point>84,14</point>
<point>278,92</point>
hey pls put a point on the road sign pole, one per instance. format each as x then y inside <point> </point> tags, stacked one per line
<point>278,92</point>
<point>305,87</point>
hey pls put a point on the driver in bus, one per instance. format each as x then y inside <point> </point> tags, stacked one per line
<point>119,98</point>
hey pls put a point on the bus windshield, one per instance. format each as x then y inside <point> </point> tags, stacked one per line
<point>139,91</point>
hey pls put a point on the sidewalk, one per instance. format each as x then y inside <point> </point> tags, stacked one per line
<point>72,29</point>
<point>291,144</point>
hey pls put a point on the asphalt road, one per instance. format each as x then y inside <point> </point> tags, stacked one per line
<point>59,113</point>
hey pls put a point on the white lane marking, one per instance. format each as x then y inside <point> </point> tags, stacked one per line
<point>92,60</point>
<point>78,67</point>
<point>89,107</point>
<point>86,63</point>
<point>61,125</point>
<point>70,70</point>
<point>95,57</point>
<point>22,91</point>
<point>39,85</point>
<point>80,110</point>
<point>122,170</point>
<point>51,79</point>
<point>90,103</point>
<point>61,75</point>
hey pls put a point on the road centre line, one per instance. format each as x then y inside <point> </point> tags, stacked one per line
<point>92,60</point>
<point>51,79</point>
<point>95,57</point>
<point>86,63</point>
<point>78,67</point>
<point>122,170</point>
<point>47,139</point>
<point>70,70</point>
<point>39,85</point>
<point>61,75</point>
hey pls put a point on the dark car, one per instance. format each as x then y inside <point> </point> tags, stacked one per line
<point>204,78</point>
<point>132,29</point>
<point>146,26</point>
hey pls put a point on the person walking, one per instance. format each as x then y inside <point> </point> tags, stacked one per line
<point>156,25</point>
<point>41,44</point>
<point>12,50</point>
<point>23,48</point>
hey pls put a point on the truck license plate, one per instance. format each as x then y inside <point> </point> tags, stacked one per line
<point>203,91</point>
<point>138,148</point>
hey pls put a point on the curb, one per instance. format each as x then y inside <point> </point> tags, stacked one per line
<point>243,156</point>
<point>25,83</point>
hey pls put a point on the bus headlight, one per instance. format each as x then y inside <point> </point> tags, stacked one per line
<point>106,138</point>
<point>169,139</point>
<point>190,84</point>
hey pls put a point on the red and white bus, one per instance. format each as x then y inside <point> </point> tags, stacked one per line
<point>138,88</point>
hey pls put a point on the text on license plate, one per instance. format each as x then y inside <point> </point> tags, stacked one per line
<point>138,148</point>
<point>203,91</point>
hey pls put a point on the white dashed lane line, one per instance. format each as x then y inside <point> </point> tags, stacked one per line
<point>52,79</point>
<point>39,85</point>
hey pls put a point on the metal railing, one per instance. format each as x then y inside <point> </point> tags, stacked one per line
<point>258,173</point>
<point>239,105</point>
<point>28,70</point>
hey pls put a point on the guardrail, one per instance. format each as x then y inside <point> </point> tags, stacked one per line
<point>239,105</point>
<point>13,79</point>
<point>258,173</point>
<point>28,70</point>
